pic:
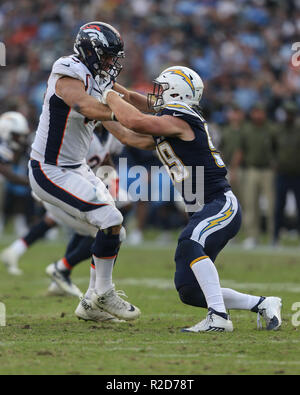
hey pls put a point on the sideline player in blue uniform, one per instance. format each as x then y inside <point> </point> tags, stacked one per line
<point>13,134</point>
<point>180,135</point>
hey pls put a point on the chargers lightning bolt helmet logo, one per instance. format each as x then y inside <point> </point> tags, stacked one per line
<point>176,84</point>
<point>185,78</point>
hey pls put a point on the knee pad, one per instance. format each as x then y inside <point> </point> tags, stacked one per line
<point>106,245</point>
<point>192,295</point>
<point>188,250</point>
<point>186,284</point>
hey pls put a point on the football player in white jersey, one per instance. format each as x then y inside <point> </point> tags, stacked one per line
<point>58,171</point>
<point>54,216</point>
<point>79,246</point>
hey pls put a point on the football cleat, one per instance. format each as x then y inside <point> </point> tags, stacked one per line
<point>86,312</point>
<point>55,290</point>
<point>10,260</point>
<point>63,280</point>
<point>270,310</point>
<point>212,323</point>
<point>112,303</point>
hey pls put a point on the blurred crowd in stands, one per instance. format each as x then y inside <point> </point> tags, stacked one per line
<point>242,49</point>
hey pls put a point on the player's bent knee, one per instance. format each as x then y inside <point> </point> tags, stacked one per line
<point>188,250</point>
<point>115,220</point>
<point>192,295</point>
<point>105,217</point>
<point>106,245</point>
<point>115,230</point>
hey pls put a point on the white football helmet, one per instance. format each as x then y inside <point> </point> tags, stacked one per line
<point>176,83</point>
<point>13,128</point>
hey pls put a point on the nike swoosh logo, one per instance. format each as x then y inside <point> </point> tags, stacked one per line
<point>177,115</point>
<point>67,65</point>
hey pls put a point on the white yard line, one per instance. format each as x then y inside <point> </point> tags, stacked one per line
<point>166,284</point>
<point>287,251</point>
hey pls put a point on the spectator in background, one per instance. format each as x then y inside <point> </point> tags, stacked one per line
<point>18,203</point>
<point>257,153</point>
<point>241,49</point>
<point>229,146</point>
<point>137,157</point>
<point>287,145</point>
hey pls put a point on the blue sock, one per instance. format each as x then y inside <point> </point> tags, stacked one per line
<point>37,232</point>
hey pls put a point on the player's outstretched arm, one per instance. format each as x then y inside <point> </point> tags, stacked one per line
<point>128,137</point>
<point>136,99</point>
<point>133,119</point>
<point>72,92</point>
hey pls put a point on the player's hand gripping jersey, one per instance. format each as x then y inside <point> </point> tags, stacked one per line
<point>63,136</point>
<point>177,154</point>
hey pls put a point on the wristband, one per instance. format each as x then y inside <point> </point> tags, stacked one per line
<point>113,117</point>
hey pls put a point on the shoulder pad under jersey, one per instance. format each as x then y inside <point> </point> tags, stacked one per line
<point>70,66</point>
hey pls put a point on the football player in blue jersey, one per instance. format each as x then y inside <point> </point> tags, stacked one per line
<point>180,135</point>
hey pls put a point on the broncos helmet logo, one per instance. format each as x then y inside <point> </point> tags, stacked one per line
<point>95,34</point>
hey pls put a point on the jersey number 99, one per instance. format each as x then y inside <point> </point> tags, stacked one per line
<point>176,168</point>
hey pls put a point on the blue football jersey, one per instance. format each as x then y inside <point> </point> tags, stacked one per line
<point>179,155</point>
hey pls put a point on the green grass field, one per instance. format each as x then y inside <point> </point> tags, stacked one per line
<point>43,336</point>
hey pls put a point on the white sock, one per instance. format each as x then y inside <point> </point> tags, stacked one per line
<point>208,279</point>
<point>92,284</point>
<point>104,269</point>
<point>20,225</point>
<point>237,301</point>
<point>19,247</point>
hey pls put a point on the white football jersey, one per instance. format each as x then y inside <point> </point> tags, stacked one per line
<point>97,153</point>
<point>63,136</point>
<point>113,145</point>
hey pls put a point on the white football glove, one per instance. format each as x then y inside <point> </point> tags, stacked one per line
<point>106,92</point>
